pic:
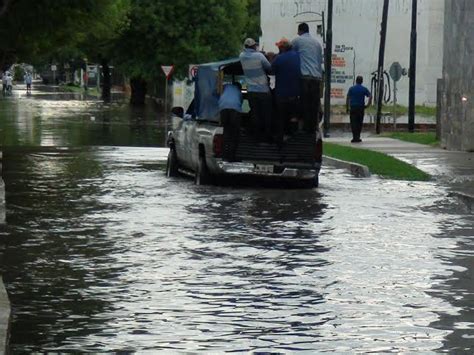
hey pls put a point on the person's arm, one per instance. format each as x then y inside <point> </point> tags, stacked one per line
<point>266,64</point>
<point>369,95</point>
<point>348,101</point>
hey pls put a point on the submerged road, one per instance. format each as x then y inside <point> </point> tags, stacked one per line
<point>104,253</point>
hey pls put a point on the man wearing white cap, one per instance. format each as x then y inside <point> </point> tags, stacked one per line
<point>256,67</point>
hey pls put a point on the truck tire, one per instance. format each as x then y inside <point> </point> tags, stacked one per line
<point>172,164</point>
<point>202,177</point>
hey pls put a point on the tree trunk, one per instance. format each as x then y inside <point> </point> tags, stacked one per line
<point>138,86</point>
<point>106,83</point>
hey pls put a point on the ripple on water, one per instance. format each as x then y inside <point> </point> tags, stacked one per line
<point>120,258</point>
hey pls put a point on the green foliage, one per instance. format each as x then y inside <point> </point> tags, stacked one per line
<point>428,138</point>
<point>179,32</point>
<point>31,30</point>
<point>252,28</point>
<point>378,163</point>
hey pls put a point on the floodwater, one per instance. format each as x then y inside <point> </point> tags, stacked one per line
<point>104,253</point>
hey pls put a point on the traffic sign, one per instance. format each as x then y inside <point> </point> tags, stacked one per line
<point>396,71</point>
<point>53,67</point>
<point>168,70</point>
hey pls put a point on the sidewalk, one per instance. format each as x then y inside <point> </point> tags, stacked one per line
<point>452,168</point>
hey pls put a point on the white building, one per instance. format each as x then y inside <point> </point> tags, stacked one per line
<point>356,38</point>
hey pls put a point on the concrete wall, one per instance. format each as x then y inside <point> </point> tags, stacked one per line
<point>356,39</point>
<point>457,90</point>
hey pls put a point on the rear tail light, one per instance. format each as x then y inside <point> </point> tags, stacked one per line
<point>217,145</point>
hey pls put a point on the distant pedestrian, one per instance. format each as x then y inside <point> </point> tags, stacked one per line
<point>4,83</point>
<point>256,67</point>
<point>311,57</point>
<point>355,105</point>
<point>9,83</point>
<point>28,81</point>
<point>85,79</point>
<point>230,107</point>
<point>286,67</point>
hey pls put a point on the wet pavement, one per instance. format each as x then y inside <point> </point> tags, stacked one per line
<point>104,253</point>
<point>454,169</point>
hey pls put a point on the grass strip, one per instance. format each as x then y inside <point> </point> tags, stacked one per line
<point>397,110</point>
<point>378,163</point>
<point>428,138</point>
<point>80,90</point>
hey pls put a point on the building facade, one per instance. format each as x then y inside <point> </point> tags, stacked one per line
<point>356,39</point>
<point>456,89</point>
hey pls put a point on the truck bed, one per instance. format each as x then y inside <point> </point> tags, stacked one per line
<point>298,149</point>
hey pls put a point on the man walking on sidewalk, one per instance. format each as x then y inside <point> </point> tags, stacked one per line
<point>355,105</point>
<point>311,57</point>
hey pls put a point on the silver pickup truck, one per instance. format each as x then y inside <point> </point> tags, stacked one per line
<point>196,140</point>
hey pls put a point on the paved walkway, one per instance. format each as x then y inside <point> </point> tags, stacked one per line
<point>453,168</point>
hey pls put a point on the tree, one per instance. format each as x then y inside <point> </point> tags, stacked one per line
<point>179,32</point>
<point>31,29</point>
<point>253,29</point>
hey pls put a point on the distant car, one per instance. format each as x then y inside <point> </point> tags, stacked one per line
<point>196,139</point>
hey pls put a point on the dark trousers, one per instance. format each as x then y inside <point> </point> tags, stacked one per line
<point>310,102</point>
<point>357,120</point>
<point>230,120</point>
<point>287,109</point>
<point>261,110</point>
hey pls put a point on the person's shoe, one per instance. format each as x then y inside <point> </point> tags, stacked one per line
<point>356,141</point>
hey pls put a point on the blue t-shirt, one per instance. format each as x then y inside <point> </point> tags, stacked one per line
<point>286,68</point>
<point>231,98</point>
<point>357,95</point>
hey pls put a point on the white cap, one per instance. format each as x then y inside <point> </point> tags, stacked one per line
<point>249,42</point>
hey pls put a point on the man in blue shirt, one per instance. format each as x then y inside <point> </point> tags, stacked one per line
<point>311,56</point>
<point>286,67</point>
<point>256,67</point>
<point>230,107</point>
<point>355,105</point>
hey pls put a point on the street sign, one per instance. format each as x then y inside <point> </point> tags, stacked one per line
<point>53,67</point>
<point>396,71</point>
<point>168,70</point>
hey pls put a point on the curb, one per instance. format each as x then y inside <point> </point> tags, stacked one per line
<point>358,170</point>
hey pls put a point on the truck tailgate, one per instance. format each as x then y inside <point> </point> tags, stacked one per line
<point>299,148</point>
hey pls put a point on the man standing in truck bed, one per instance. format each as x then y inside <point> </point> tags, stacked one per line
<point>311,57</point>
<point>256,67</point>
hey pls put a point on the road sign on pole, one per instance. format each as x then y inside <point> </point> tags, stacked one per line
<point>168,70</point>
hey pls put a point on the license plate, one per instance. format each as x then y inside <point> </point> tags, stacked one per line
<point>259,168</point>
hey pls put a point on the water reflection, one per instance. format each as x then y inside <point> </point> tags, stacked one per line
<point>103,253</point>
<point>65,119</point>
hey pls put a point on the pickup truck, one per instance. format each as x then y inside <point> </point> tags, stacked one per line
<point>196,139</point>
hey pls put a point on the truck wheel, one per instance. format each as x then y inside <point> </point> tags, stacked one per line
<point>172,164</point>
<point>202,176</point>
<point>315,181</point>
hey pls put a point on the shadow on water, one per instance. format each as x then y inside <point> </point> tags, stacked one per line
<point>456,285</point>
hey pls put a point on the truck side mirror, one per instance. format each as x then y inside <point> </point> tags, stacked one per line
<point>177,111</point>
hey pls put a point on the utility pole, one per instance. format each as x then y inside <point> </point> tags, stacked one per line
<point>383,35</point>
<point>328,69</point>
<point>412,87</point>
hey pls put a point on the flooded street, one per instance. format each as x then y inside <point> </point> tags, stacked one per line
<point>104,253</point>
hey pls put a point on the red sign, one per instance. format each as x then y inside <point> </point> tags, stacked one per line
<point>168,70</point>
